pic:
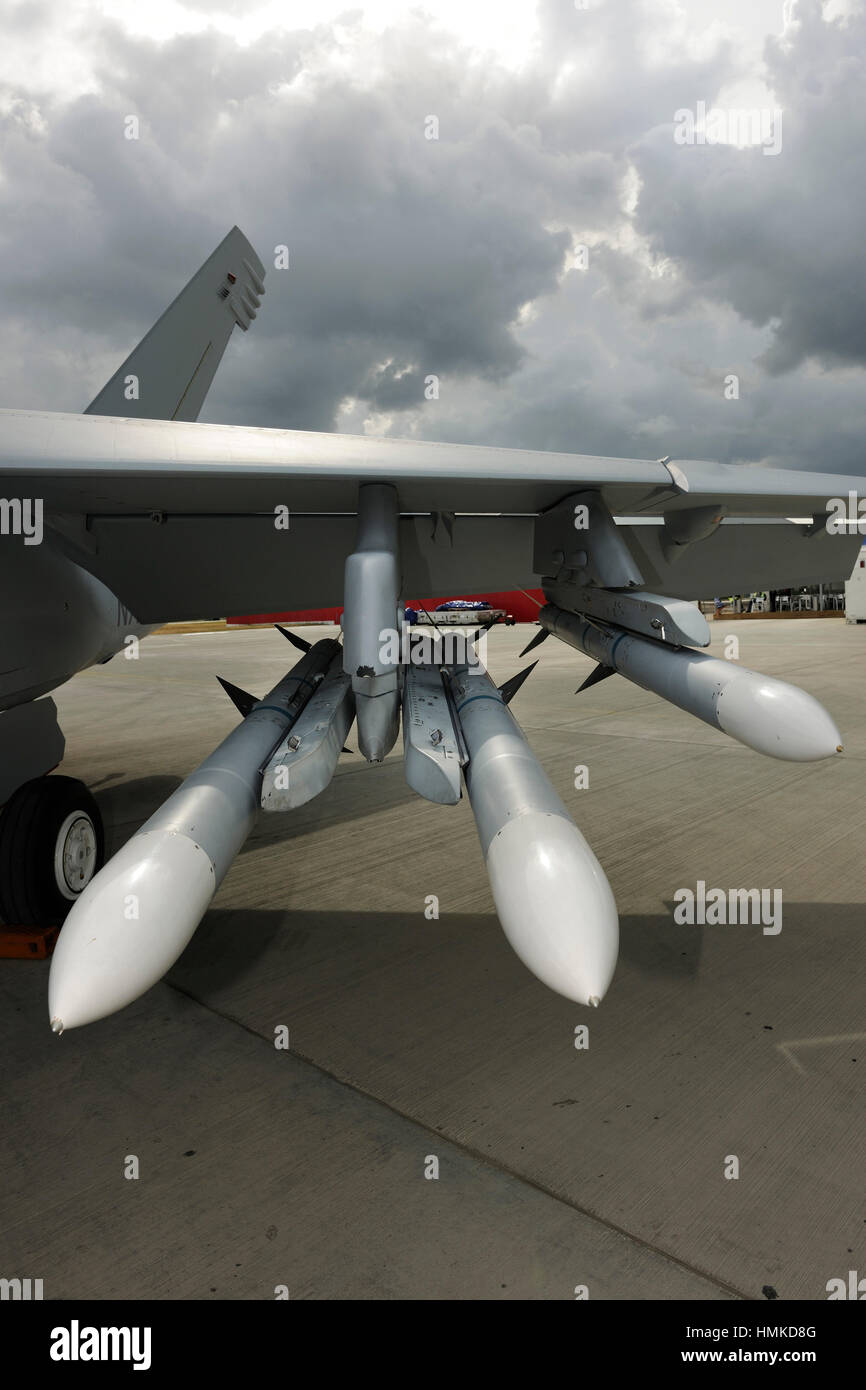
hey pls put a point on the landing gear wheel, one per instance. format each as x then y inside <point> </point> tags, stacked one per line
<point>51,845</point>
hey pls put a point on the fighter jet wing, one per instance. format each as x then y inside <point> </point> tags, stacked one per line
<point>123,466</point>
<point>185,520</point>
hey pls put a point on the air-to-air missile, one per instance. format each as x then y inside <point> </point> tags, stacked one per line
<point>139,912</point>
<point>767,715</point>
<point>551,894</point>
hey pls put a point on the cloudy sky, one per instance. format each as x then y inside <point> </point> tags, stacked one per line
<point>580,266</point>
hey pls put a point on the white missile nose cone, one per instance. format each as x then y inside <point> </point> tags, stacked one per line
<point>777,719</point>
<point>555,904</point>
<point>128,927</point>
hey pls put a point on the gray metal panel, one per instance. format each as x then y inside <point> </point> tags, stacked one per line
<point>206,567</point>
<point>739,559</point>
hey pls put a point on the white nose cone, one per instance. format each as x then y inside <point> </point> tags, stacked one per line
<point>777,719</point>
<point>555,904</point>
<point>128,927</point>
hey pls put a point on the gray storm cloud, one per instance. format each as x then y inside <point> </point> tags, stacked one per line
<point>454,257</point>
<point>779,239</point>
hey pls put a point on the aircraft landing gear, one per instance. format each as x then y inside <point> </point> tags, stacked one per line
<point>51,845</point>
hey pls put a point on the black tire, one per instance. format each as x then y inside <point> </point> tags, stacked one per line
<point>30,831</point>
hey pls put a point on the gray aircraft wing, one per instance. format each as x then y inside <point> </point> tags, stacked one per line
<point>185,520</point>
<point>127,466</point>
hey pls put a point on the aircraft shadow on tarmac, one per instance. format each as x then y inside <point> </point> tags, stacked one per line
<point>382,788</point>
<point>230,942</point>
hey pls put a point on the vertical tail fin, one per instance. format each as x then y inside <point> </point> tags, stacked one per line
<point>169,374</point>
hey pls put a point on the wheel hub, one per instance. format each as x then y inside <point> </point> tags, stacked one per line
<point>75,854</point>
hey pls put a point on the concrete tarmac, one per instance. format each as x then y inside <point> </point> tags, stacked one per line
<point>419,1043</point>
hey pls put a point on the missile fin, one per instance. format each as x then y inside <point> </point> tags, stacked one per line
<point>241,699</point>
<point>296,641</point>
<point>599,674</point>
<point>536,641</point>
<point>511,687</point>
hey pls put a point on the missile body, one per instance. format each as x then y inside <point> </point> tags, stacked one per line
<point>138,913</point>
<point>552,897</point>
<point>303,763</point>
<point>432,751</point>
<point>767,715</point>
